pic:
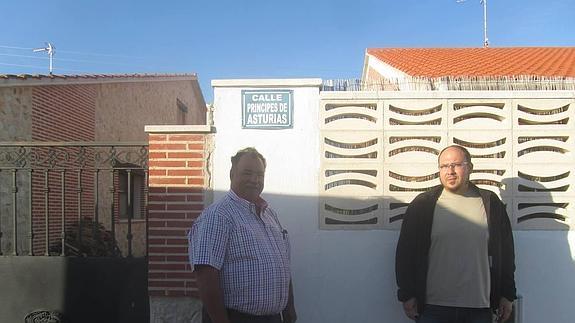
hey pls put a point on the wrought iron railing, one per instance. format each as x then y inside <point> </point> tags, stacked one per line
<point>56,189</point>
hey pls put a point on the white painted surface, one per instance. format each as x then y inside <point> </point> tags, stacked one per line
<point>348,276</point>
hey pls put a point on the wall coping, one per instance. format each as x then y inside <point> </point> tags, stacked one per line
<point>307,82</point>
<point>179,129</point>
<point>476,95</point>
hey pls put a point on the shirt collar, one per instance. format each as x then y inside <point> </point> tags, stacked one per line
<point>261,203</point>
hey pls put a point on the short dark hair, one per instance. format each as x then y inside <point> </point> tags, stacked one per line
<point>461,148</point>
<point>251,151</point>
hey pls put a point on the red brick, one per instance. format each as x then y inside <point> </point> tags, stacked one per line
<point>156,190</point>
<point>185,155</point>
<point>178,224</point>
<point>156,137</point>
<point>157,275</point>
<point>195,163</point>
<point>167,215</point>
<point>168,180</point>
<point>157,172</point>
<point>160,267</point>
<point>158,242</point>
<point>177,258</point>
<point>181,275</point>
<point>185,172</point>
<point>199,147</point>
<point>157,259</point>
<point>190,190</point>
<point>171,242</point>
<point>186,137</point>
<point>167,233</point>
<point>195,181</point>
<point>166,198</point>
<point>167,146</point>
<point>167,163</point>
<point>195,198</point>
<point>156,155</point>
<point>155,224</point>
<point>161,207</point>
<point>163,283</point>
<point>185,206</point>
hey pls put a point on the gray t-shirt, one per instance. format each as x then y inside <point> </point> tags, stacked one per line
<point>458,273</point>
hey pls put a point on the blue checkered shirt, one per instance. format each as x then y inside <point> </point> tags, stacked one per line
<point>252,254</point>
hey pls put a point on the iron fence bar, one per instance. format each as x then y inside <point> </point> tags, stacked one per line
<point>46,210</point>
<point>130,211</point>
<point>63,224</point>
<point>112,224</point>
<point>15,211</point>
<point>95,222</point>
<point>31,226</point>
<point>79,195</point>
<point>146,212</point>
<point>0,219</point>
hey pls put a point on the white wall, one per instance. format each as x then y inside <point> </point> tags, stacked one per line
<point>348,276</point>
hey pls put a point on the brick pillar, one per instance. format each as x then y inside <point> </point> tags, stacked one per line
<point>178,180</point>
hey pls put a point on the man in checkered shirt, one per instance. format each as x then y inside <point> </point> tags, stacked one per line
<point>241,254</point>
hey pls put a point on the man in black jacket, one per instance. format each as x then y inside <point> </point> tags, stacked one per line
<point>455,260</point>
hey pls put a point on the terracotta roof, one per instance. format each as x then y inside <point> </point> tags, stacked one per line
<point>513,61</point>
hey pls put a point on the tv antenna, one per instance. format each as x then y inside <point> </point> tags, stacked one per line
<point>50,49</point>
<point>484,3</point>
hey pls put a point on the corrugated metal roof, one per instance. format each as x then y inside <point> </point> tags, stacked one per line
<point>513,61</point>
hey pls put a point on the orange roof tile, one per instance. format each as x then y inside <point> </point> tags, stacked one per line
<point>512,61</point>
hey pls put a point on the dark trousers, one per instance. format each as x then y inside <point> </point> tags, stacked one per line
<point>448,314</point>
<point>239,317</point>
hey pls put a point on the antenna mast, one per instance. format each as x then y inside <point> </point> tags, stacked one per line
<point>50,49</point>
<point>484,3</point>
<point>485,40</point>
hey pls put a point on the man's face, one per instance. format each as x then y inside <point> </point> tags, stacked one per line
<point>247,178</point>
<point>454,170</point>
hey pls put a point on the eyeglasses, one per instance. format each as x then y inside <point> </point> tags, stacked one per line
<point>445,167</point>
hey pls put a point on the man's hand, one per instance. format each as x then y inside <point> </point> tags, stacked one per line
<point>410,308</point>
<point>211,294</point>
<point>504,310</point>
<point>288,314</point>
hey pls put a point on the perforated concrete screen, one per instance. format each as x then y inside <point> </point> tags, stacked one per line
<point>378,153</point>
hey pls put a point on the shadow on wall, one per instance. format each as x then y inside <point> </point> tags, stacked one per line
<point>349,275</point>
<point>339,275</point>
<point>544,260</point>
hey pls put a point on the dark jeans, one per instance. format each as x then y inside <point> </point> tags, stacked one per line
<point>239,317</point>
<point>447,314</point>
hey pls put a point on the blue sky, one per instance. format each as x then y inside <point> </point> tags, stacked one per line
<point>220,39</point>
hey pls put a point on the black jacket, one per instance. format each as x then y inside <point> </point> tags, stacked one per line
<point>411,258</point>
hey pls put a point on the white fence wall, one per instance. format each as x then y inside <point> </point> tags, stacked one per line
<point>365,155</point>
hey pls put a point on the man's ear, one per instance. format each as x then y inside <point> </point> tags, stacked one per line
<point>231,171</point>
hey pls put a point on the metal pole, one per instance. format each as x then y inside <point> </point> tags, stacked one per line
<point>80,224</point>
<point>130,211</point>
<point>46,210</point>
<point>31,227</point>
<point>63,224</point>
<point>112,218</point>
<point>0,219</point>
<point>15,211</point>
<point>485,40</point>
<point>96,189</point>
